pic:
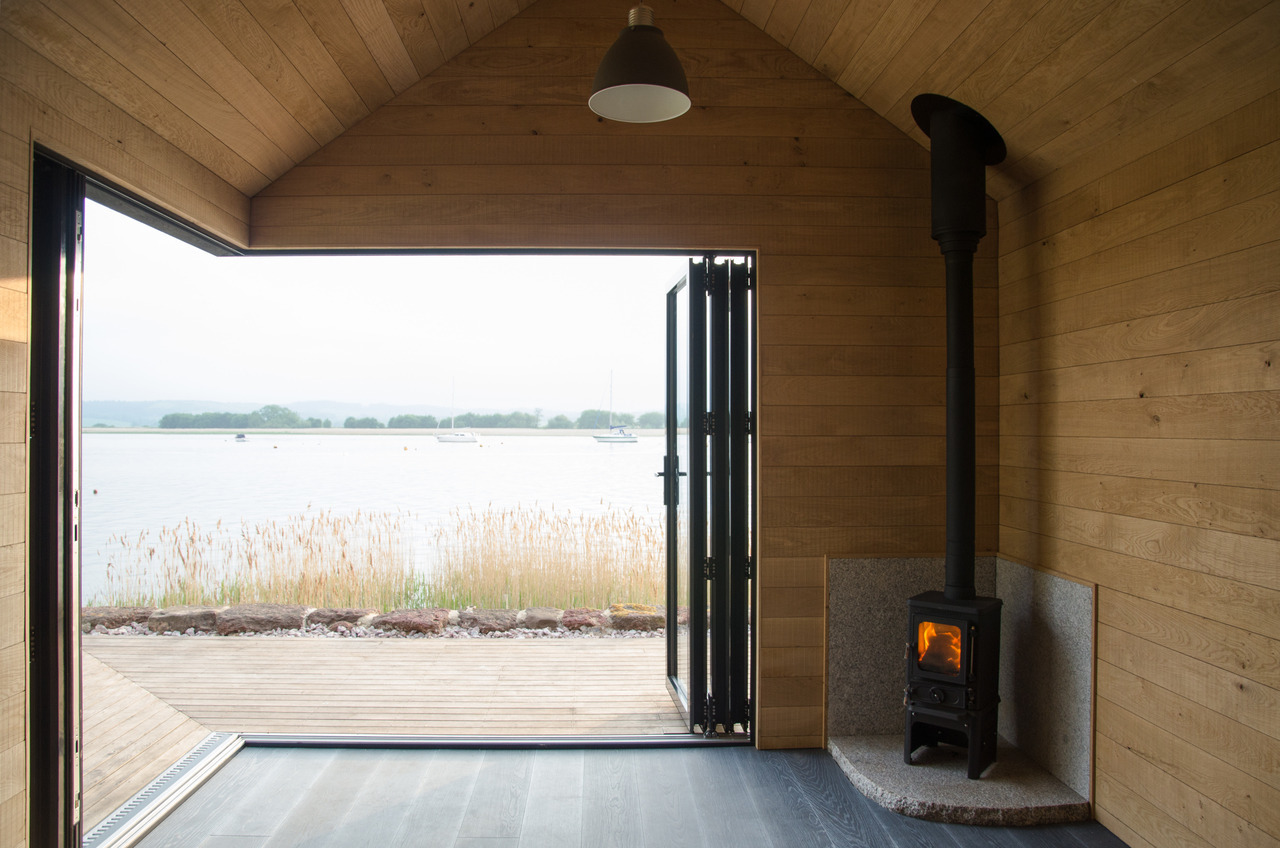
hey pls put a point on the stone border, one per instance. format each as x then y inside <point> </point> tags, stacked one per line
<point>245,619</point>
<point>1013,792</point>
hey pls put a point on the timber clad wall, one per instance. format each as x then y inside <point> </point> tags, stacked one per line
<point>1140,450</point>
<point>495,149</point>
<point>1130,439</point>
<point>41,103</point>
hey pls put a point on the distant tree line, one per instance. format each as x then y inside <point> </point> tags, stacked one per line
<point>272,416</point>
<point>282,418</point>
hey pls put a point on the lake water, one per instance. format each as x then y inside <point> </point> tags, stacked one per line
<point>143,482</point>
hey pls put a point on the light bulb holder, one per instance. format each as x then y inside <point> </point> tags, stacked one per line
<point>640,79</point>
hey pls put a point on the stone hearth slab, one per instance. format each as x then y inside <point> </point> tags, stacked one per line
<point>1014,791</point>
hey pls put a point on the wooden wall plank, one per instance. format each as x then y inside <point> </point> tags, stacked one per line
<point>1247,511</point>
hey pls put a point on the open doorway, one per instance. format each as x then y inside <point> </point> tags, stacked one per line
<point>413,446</point>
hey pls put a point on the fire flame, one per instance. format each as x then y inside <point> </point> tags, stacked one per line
<point>939,647</point>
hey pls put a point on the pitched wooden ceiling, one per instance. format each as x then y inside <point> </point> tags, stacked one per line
<point>252,87</point>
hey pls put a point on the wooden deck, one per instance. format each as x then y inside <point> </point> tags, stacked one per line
<point>155,698</point>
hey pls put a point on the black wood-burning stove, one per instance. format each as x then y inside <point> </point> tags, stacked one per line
<point>953,675</point>
<point>953,637</point>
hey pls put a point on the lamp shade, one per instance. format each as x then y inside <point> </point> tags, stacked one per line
<point>640,80</point>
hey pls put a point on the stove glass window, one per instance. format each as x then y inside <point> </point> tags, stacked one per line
<point>939,648</point>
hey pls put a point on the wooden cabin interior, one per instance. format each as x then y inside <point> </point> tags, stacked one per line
<point>1127,301</point>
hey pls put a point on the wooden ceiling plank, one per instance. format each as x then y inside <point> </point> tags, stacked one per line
<point>241,33</point>
<point>1112,32</point>
<point>785,19</point>
<point>548,62</point>
<point>295,38</point>
<point>332,25</point>
<point>599,33</point>
<point>886,38</point>
<point>131,154</point>
<point>1224,74</point>
<point>477,18</point>
<point>57,42</point>
<point>178,29</point>
<point>447,24</point>
<point>1227,138</point>
<point>503,10</point>
<point>937,32</point>
<point>615,11</point>
<point>372,20</point>
<point>848,35</point>
<point>1141,60</point>
<point>417,34</point>
<point>120,36</point>
<point>999,21</point>
<point>818,22</point>
<point>1052,24</point>
<point>758,11</point>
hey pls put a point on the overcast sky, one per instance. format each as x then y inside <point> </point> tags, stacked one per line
<point>165,321</point>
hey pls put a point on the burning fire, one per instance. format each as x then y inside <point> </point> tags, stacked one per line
<point>939,647</point>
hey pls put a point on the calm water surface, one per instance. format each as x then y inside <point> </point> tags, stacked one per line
<point>143,482</point>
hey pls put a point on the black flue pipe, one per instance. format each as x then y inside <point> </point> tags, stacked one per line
<point>962,144</point>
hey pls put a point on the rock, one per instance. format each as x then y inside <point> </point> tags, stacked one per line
<point>113,617</point>
<point>186,617</point>
<point>488,621</point>
<point>260,618</point>
<point>581,619</point>
<point>682,615</point>
<point>341,615</point>
<point>635,617</point>
<point>412,621</point>
<point>536,618</point>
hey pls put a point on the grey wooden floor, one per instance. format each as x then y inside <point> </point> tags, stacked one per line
<point>713,797</point>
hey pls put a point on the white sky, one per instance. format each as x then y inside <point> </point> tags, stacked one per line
<point>165,321</point>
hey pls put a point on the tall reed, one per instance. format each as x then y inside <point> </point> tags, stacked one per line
<point>493,558</point>
<point>318,559</point>
<point>521,557</point>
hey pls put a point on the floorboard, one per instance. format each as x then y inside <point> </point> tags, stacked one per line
<point>559,799</point>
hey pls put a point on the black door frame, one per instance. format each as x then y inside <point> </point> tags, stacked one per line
<point>717,696</point>
<point>53,542</point>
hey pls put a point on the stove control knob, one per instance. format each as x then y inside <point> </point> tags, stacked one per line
<point>938,694</point>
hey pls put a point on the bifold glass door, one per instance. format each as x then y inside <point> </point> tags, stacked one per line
<point>709,477</point>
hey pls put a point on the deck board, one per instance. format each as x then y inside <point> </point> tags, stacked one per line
<point>129,736</point>
<point>403,686</point>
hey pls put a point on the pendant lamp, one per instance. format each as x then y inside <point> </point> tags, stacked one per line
<point>640,80</point>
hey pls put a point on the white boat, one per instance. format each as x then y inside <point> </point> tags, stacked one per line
<point>617,432</point>
<point>616,435</point>
<point>457,436</point>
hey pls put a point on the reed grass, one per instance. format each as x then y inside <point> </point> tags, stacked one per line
<point>493,558</point>
<point>521,557</point>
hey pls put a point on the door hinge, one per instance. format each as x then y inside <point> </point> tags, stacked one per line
<point>709,568</point>
<point>708,423</point>
<point>709,721</point>
<point>749,424</point>
<point>749,569</point>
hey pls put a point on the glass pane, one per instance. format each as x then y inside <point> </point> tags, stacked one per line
<point>683,502</point>
<point>939,648</point>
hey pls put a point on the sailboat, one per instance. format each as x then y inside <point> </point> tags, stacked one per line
<point>617,433</point>
<point>457,436</point>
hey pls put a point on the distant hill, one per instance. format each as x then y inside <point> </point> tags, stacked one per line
<point>147,413</point>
